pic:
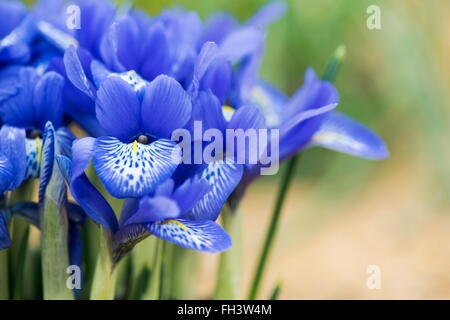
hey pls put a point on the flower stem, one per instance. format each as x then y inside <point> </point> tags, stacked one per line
<point>18,282</point>
<point>329,74</point>
<point>268,242</point>
<point>105,275</point>
<point>4,275</point>
<point>228,284</point>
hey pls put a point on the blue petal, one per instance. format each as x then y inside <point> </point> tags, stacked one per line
<point>5,240</point>
<point>153,209</point>
<point>6,173</point>
<point>65,165</point>
<point>47,159</point>
<point>188,194</point>
<point>270,101</point>
<point>297,132</point>
<point>82,189</point>
<point>75,213</point>
<point>76,73</point>
<point>156,45</point>
<point>65,139</point>
<point>60,39</point>
<point>118,109</point>
<point>48,99</point>
<point>267,14</point>
<point>166,107</point>
<point>12,146</point>
<point>218,26</point>
<point>11,14</point>
<point>223,177</point>
<point>18,110</point>
<point>200,235</point>
<point>208,53</point>
<point>313,94</point>
<point>96,17</point>
<point>134,169</point>
<point>242,43</point>
<point>341,133</point>
<point>15,45</point>
<point>207,109</point>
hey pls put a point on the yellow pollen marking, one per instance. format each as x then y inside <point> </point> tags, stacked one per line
<point>176,222</point>
<point>134,148</point>
<point>227,112</point>
<point>39,149</point>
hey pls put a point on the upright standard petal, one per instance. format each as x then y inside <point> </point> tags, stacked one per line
<point>267,14</point>
<point>18,110</point>
<point>82,189</point>
<point>12,146</point>
<point>134,169</point>
<point>75,72</point>
<point>341,133</point>
<point>118,109</point>
<point>200,235</point>
<point>166,107</point>
<point>48,100</point>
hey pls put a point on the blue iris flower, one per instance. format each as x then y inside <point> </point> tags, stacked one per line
<point>308,119</point>
<point>17,31</point>
<point>30,106</point>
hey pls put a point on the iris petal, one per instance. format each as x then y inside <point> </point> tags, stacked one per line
<point>82,189</point>
<point>200,235</point>
<point>223,176</point>
<point>134,170</point>
<point>118,109</point>
<point>341,133</point>
<point>166,107</point>
<point>12,145</point>
<point>6,173</point>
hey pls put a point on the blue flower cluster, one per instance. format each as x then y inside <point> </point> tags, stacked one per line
<point>130,80</point>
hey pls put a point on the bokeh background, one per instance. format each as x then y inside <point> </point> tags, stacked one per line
<point>344,214</point>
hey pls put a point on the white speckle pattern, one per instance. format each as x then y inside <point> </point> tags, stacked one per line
<point>32,147</point>
<point>128,171</point>
<point>223,176</point>
<point>135,80</point>
<point>203,235</point>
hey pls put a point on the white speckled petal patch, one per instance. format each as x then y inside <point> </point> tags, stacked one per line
<point>223,176</point>
<point>134,169</point>
<point>201,235</point>
<point>33,150</point>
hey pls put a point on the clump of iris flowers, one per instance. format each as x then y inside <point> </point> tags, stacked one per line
<point>127,82</point>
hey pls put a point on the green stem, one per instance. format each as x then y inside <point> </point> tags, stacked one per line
<point>154,285</point>
<point>268,242</point>
<point>230,264</point>
<point>104,281</point>
<point>18,283</point>
<point>4,275</point>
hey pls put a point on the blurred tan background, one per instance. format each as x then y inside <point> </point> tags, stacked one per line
<point>344,214</point>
